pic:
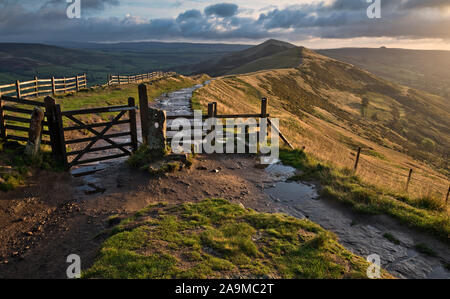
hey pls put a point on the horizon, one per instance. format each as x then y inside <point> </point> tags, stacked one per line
<point>315,24</point>
<point>59,44</point>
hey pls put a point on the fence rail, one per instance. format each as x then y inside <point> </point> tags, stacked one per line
<point>122,80</point>
<point>41,87</point>
<point>15,119</point>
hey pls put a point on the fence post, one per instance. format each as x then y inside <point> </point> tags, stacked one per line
<point>85,80</point>
<point>129,79</point>
<point>53,86</point>
<point>36,86</point>
<point>133,125</point>
<point>109,80</point>
<point>18,89</point>
<point>78,83</point>
<point>409,180</point>
<point>2,121</point>
<point>64,85</point>
<point>263,108</point>
<point>144,112</point>
<point>357,158</point>
<point>118,78</point>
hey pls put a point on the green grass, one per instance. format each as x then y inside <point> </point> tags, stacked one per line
<point>12,155</point>
<point>425,249</point>
<point>345,186</point>
<point>392,238</point>
<point>217,239</point>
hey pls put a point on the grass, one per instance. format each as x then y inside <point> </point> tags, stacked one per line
<point>423,248</point>
<point>12,156</point>
<point>392,238</point>
<point>343,185</point>
<point>217,239</point>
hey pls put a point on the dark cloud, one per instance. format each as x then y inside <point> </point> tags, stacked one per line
<point>224,10</point>
<point>341,19</point>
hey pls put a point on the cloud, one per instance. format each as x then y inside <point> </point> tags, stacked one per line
<point>340,19</point>
<point>224,10</point>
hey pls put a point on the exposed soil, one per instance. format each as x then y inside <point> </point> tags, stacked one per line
<point>54,217</point>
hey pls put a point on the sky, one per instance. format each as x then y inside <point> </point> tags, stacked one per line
<point>414,24</point>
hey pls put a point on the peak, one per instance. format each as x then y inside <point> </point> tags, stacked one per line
<point>278,43</point>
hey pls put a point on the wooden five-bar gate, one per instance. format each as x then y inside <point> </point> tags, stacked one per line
<point>99,131</point>
<point>15,125</point>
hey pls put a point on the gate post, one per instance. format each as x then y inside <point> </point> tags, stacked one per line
<point>133,126</point>
<point>54,121</point>
<point>144,112</point>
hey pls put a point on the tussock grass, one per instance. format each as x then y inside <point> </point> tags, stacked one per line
<point>343,185</point>
<point>321,111</point>
<point>217,239</point>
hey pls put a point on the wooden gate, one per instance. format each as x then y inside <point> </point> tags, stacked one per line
<point>63,122</point>
<point>15,119</point>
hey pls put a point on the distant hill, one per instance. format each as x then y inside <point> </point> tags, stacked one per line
<point>352,102</point>
<point>421,69</point>
<point>270,54</point>
<point>24,61</point>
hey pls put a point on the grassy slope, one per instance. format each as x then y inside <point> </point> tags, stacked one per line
<point>216,239</point>
<point>319,107</point>
<point>286,59</point>
<point>238,59</point>
<point>424,70</point>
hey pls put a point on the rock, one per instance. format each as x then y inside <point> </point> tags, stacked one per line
<point>215,171</point>
<point>202,168</point>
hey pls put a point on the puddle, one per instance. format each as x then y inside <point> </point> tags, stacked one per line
<point>362,236</point>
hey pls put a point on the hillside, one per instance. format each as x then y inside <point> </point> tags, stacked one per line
<point>264,56</point>
<point>420,69</point>
<point>332,108</point>
<point>24,61</point>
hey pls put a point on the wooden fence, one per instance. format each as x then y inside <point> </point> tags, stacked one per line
<point>15,119</point>
<point>41,87</point>
<point>121,80</point>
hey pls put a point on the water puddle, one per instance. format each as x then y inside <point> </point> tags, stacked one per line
<point>363,236</point>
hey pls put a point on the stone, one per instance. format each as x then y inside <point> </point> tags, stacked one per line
<point>157,130</point>
<point>35,133</point>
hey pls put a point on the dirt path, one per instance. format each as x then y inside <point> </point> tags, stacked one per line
<point>57,218</point>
